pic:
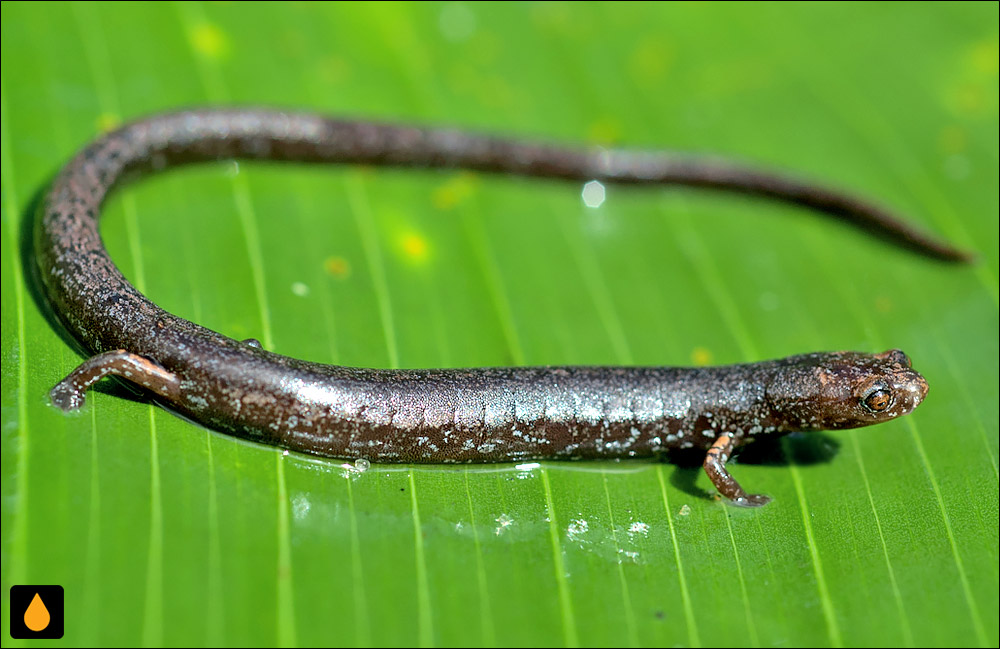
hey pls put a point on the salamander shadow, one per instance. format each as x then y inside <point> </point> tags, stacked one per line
<point>801,449</point>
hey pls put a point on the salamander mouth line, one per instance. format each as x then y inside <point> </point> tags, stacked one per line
<point>438,416</point>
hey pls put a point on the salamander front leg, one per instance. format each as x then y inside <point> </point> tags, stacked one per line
<point>715,467</point>
<point>69,393</point>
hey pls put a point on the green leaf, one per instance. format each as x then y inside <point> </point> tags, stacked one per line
<point>164,533</point>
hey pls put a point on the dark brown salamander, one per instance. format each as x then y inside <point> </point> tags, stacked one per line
<point>457,415</point>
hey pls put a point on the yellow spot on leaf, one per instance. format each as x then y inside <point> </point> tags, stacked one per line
<point>414,247</point>
<point>454,191</point>
<point>973,93</point>
<point>650,62</point>
<point>337,266</point>
<point>983,57</point>
<point>701,356</point>
<point>953,139</point>
<point>606,130</point>
<point>210,41</point>
<point>107,122</point>
<point>333,69</point>
<point>970,99</point>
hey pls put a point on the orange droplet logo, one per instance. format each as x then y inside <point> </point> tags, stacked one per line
<point>37,611</point>
<point>36,617</point>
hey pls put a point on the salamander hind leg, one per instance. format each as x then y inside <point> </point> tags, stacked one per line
<point>69,394</point>
<point>715,467</point>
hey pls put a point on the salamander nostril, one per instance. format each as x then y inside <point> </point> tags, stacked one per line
<point>896,356</point>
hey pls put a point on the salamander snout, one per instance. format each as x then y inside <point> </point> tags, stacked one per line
<point>888,387</point>
<point>915,387</point>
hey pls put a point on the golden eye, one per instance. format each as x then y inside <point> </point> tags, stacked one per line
<point>878,400</point>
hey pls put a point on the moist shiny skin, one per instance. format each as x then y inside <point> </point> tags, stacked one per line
<point>448,415</point>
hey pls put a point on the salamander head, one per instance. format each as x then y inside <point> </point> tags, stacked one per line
<point>845,390</point>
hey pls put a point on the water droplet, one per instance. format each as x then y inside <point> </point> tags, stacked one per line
<point>593,194</point>
<point>353,469</point>
<point>638,527</point>
<point>300,289</point>
<point>627,556</point>
<point>576,529</point>
<point>504,521</point>
<point>37,616</point>
<point>300,506</point>
<point>526,470</point>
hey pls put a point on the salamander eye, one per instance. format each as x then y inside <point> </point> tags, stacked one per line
<point>878,399</point>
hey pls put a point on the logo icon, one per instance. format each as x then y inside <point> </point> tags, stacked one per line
<point>36,612</point>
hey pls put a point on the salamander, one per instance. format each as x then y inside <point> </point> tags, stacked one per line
<point>440,415</point>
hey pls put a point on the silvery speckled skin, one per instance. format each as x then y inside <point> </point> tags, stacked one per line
<point>459,415</point>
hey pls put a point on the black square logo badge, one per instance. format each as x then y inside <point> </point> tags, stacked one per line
<point>36,612</point>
